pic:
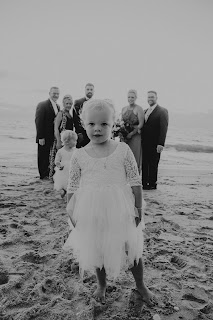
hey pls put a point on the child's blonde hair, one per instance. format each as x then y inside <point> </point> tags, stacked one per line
<point>99,104</point>
<point>68,135</point>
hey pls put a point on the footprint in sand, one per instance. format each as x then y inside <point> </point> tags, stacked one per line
<point>4,277</point>
<point>32,257</point>
<point>3,230</point>
<point>14,225</point>
<point>178,262</point>
<point>52,286</point>
<point>195,298</point>
<point>136,304</point>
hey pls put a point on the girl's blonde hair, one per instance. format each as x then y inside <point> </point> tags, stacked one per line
<point>68,134</point>
<point>99,104</point>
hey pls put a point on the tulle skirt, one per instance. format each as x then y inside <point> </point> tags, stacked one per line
<point>60,177</point>
<point>105,234</point>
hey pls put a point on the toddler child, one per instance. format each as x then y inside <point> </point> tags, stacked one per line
<point>105,203</point>
<point>62,160</point>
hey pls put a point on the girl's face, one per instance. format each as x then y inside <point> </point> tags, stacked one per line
<point>70,142</point>
<point>131,98</point>
<point>98,124</point>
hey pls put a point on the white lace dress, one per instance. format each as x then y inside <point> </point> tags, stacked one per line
<point>60,177</point>
<point>103,209</point>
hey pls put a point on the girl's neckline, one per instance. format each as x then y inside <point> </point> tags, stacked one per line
<point>69,150</point>
<point>102,157</point>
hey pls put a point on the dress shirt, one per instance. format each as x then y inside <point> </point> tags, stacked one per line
<point>54,106</point>
<point>149,111</point>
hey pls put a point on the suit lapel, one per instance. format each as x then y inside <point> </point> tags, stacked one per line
<point>152,113</point>
<point>51,108</point>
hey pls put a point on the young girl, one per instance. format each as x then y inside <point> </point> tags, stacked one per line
<point>105,203</point>
<point>62,160</point>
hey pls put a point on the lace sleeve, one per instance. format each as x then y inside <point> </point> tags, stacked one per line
<point>131,169</point>
<point>74,175</point>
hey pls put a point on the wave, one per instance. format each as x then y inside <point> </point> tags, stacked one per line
<point>190,148</point>
<point>15,137</point>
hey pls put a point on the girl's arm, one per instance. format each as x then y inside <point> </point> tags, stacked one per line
<point>134,180</point>
<point>58,159</point>
<point>58,120</point>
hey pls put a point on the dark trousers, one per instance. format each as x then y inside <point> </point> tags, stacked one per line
<point>82,141</point>
<point>150,160</point>
<point>43,160</point>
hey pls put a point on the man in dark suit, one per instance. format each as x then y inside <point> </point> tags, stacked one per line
<point>76,111</point>
<point>153,138</point>
<point>44,121</point>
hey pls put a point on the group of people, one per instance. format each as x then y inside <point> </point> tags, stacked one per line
<point>148,135</point>
<point>146,140</point>
<point>51,122</point>
<point>104,193</point>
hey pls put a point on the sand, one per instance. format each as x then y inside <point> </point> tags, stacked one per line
<point>42,283</point>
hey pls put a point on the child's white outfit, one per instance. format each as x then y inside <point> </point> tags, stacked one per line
<point>103,203</point>
<point>61,176</point>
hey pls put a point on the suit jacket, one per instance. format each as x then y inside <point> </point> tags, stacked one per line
<point>78,104</point>
<point>44,121</point>
<point>155,128</point>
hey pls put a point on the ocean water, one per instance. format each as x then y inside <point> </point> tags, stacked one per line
<point>185,147</point>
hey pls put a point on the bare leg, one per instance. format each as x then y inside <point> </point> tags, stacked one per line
<point>101,288</point>
<point>137,272</point>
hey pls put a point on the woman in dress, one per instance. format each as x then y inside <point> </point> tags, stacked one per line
<point>133,118</point>
<point>63,121</point>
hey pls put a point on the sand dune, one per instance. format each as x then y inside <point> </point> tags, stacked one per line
<point>39,281</point>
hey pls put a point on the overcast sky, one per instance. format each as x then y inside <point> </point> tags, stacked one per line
<point>165,45</point>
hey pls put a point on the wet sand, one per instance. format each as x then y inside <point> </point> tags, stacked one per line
<point>41,284</point>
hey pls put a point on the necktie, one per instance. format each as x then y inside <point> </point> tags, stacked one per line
<point>147,114</point>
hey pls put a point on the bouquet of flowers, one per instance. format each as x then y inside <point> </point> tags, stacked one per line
<point>121,129</point>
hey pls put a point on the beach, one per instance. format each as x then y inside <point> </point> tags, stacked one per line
<point>42,281</point>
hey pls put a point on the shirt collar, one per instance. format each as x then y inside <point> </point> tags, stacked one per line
<point>154,106</point>
<point>53,102</point>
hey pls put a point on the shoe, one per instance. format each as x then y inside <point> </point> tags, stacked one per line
<point>153,187</point>
<point>146,187</point>
<point>45,178</point>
